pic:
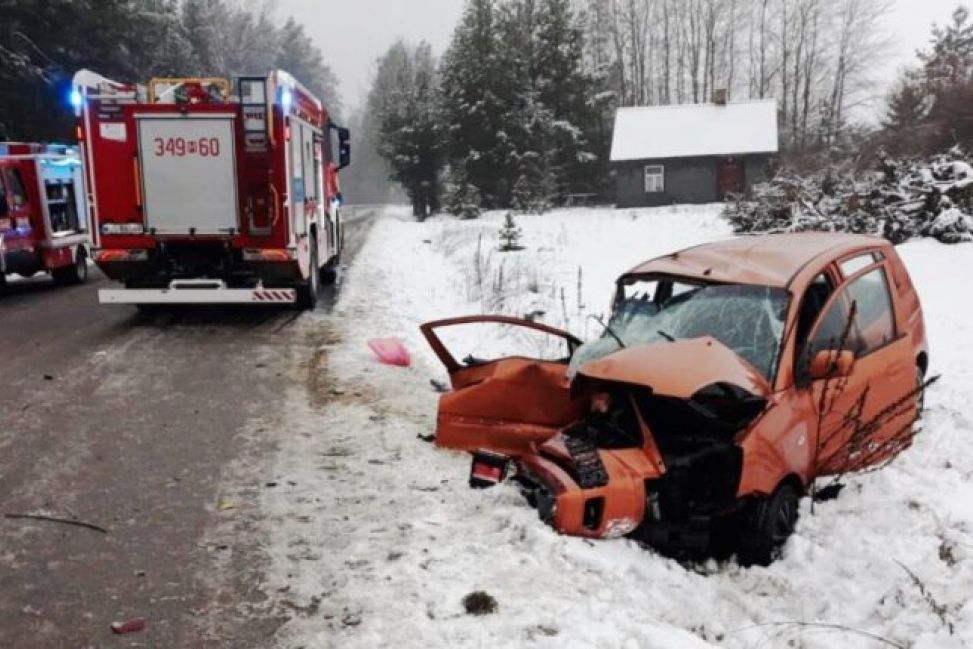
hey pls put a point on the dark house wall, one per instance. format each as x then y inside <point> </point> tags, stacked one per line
<point>688,180</point>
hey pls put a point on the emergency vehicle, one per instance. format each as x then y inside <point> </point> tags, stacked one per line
<point>204,190</point>
<point>43,219</point>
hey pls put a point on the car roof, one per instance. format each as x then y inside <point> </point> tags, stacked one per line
<point>765,260</point>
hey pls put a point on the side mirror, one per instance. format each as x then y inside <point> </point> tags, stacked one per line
<point>344,148</point>
<point>831,363</point>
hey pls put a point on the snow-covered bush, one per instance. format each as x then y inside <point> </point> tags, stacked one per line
<point>904,199</point>
<point>462,198</point>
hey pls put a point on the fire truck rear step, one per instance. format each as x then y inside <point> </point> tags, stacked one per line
<point>198,291</point>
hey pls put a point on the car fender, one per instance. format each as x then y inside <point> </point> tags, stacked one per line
<point>779,444</point>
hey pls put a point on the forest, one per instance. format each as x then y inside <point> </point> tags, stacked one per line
<point>517,112</point>
<point>43,42</point>
<point>520,107</point>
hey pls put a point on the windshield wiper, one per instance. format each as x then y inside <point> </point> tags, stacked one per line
<point>668,337</point>
<point>621,343</point>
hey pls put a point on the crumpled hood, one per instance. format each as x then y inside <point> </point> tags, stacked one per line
<point>678,369</point>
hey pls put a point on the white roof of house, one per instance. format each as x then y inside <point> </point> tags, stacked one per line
<point>693,130</point>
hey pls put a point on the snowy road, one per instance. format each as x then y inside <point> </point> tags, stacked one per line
<point>132,424</point>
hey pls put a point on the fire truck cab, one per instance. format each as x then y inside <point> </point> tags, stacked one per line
<point>204,190</point>
<point>43,219</point>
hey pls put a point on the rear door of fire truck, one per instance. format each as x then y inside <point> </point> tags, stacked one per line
<point>188,172</point>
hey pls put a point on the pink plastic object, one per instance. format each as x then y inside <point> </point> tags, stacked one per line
<point>129,626</point>
<point>391,351</point>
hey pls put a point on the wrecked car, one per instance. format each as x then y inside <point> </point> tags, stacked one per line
<point>728,378</point>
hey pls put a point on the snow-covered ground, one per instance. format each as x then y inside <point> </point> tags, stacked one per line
<point>376,538</point>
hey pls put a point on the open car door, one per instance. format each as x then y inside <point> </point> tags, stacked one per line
<point>510,389</point>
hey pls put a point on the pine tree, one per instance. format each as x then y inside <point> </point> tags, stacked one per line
<point>165,50</point>
<point>908,104</point>
<point>510,234</point>
<point>518,102</point>
<point>404,101</point>
<point>462,197</point>
<point>476,92</point>
<point>301,58</point>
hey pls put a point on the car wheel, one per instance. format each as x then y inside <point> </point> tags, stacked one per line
<point>768,523</point>
<point>307,292</point>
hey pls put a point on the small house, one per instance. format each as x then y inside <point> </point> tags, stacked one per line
<point>696,153</point>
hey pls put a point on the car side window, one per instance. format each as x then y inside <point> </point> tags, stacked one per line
<point>873,324</point>
<point>874,321</point>
<point>834,330</point>
<point>815,298</point>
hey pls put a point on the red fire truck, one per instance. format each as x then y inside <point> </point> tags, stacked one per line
<point>207,191</point>
<point>43,219</point>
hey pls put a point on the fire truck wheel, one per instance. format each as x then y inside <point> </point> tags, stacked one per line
<point>307,292</point>
<point>3,283</point>
<point>76,273</point>
<point>329,273</point>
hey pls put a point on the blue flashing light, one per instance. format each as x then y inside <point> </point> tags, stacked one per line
<point>75,98</point>
<point>286,98</point>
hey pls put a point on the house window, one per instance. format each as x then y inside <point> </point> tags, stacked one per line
<point>655,179</point>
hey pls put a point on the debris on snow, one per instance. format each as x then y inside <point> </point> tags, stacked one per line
<point>902,201</point>
<point>391,351</point>
<point>135,625</point>
<point>479,603</point>
<point>58,519</point>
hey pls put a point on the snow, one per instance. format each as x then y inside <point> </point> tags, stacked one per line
<point>376,538</point>
<point>657,132</point>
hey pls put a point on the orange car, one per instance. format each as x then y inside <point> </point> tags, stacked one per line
<point>729,377</point>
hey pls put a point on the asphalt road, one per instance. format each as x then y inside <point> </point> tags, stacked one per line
<point>129,423</point>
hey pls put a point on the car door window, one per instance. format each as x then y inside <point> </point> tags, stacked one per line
<point>874,322</point>
<point>873,325</point>
<point>815,298</point>
<point>834,331</point>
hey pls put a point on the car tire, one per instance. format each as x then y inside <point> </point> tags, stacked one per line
<point>767,524</point>
<point>307,292</point>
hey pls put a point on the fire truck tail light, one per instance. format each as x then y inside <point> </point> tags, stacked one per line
<point>103,256</point>
<point>273,254</point>
<point>123,228</point>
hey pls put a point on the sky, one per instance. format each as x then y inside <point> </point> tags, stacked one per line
<point>352,34</point>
